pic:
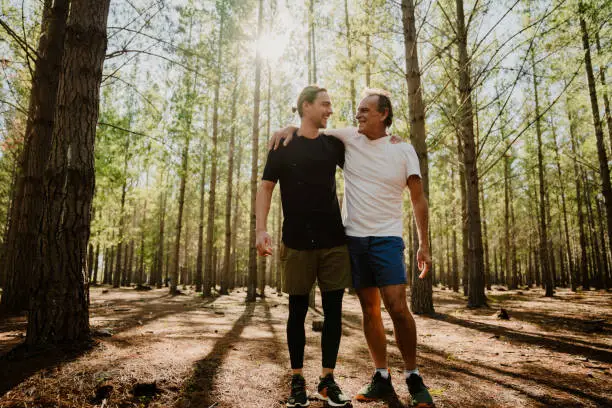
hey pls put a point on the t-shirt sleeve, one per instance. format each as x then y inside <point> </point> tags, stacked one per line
<point>273,166</point>
<point>338,147</point>
<point>412,161</point>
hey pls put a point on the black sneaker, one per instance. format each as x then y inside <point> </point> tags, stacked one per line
<point>420,396</point>
<point>329,391</point>
<point>378,389</point>
<point>299,396</point>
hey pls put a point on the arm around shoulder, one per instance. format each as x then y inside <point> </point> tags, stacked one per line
<point>342,134</point>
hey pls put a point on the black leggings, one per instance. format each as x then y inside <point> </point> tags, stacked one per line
<point>332,328</point>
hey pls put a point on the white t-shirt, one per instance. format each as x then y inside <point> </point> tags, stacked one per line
<point>375,175</point>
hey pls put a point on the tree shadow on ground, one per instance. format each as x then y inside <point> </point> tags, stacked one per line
<point>527,382</point>
<point>556,344</point>
<point>466,374</point>
<point>20,362</point>
<point>548,321</point>
<point>198,389</point>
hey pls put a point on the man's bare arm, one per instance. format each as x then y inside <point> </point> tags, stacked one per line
<point>285,135</point>
<point>262,209</point>
<point>421,216</point>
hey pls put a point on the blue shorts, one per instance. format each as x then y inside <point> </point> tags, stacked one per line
<point>377,261</point>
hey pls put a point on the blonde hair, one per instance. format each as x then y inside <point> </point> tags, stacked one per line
<point>308,94</point>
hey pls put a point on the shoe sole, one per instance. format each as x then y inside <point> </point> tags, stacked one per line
<point>298,404</point>
<point>330,402</point>
<point>363,398</point>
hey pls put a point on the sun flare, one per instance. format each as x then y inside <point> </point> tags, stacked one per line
<point>272,46</point>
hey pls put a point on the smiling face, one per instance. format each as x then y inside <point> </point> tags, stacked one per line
<point>371,121</point>
<point>319,111</point>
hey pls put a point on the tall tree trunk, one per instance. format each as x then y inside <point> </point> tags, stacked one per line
<point>486,241</point>
<point>119,270</point>
<point>602,78</point>
<point>476,294</point>
<point>9,210</point>
<point>159,253</point>
<point>314,42</point>
<point>90,261</point>
<point>212,196</point>
<point>603,273</point>
<point>200,254</point>
<point>581,271</point>
<point>174,274</point>
<point>421,299</point>
<point>252,280</point>
<point>351,63</point>
<point>604,170</point>
<point>309,19</point>
<point>464,217</point>
<point>27,208</point>
<point>455,278</point>
<point>367,42</point>
<point>111,263</point>
<point>225,276</point>
<point>568,252</point>
<point>543,195</point>
<point>59,310</point>
<point>595,252</point>
<point>236,216</point>
<point>96,265</point>
<point>506,269</point>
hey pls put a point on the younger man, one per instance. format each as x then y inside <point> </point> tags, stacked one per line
<point>313,236</point>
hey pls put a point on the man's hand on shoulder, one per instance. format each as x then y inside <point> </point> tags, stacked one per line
<point>285,134</point>
<point>396,140</point>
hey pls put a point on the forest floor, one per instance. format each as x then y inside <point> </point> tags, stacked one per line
<point>223,352</point>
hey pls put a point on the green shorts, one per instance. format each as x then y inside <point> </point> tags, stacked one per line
<point>330,267</point>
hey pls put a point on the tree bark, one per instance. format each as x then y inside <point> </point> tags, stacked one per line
<point>236,218</point>
<point>174,274</point>
<point>26,212</point>
<point>476,294</point>
<point>96,265</point>
<point>159,253</point>
<point>486,242</point>
<point>225,275</point>
<point>602,78</point>
<point>252,279</point>
<point>59,309</point>
<point>351,64</point>
<point>581,271</point>
<point>568,252</point>
<point>455,278</point>
<point>604,170</point>
<point>200,254</point>
<point>421,299</point>
<point>506,268</point>
<point>543,195</point>
<point>212,196</point>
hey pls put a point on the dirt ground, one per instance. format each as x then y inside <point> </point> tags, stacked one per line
<point>223,352</point>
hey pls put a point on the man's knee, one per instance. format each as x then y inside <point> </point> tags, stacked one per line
<point>369,299</point>
<point>397,308</point>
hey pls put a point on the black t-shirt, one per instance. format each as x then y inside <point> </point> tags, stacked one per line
<point>306,169</point>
